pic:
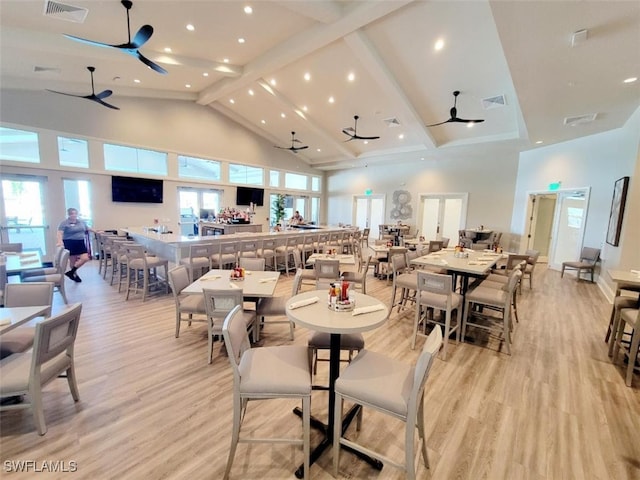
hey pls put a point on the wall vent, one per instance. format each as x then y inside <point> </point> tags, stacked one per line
<point>391,122</point>
<point>39,69</point>
<point>65,11</point>
<point>494,102</point>
<point>580,119</point>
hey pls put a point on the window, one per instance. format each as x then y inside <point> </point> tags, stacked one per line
<point>73,152</point>
<point>77,194</point>
<point>198,168</point>
<point>315,210</point>
<point>19,145</point>
<point>245,174</point>
<point>274,178</point>
<point>315,184</point>
<point>295,180</point>
<point>135,160</point>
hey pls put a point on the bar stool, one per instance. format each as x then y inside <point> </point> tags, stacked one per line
<point>139,264</point>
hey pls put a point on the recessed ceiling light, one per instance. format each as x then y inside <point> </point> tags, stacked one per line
<point>538,142</point>
<point>283,115</point>
<point>205,74</point>
<point>439,45</point>
<point>304,108</point>
<point>401,136</point>
<point>250,92</point>
<point>421,158</point>
<point>190,27</point>
<point>188,85</point>
<point>135,80</point>
<point>351,77</point>
<point>231,100</point>
<point>366,142</point>
<point>332,100</point>
<point>630,80</point>
<point>241,40</point>
<point>307,76</point>
<point>167,49</point>
<point>318,149</point>
<point>225,60</point>
<point>272,82</point>
<point>248,10</point>
<point>470,125</point>
<point>264,122</point>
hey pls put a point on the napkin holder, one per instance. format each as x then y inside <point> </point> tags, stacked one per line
<point>461,254</point>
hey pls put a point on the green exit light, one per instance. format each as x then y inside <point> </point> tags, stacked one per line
<point>368,191</point>
<point>554,186</point>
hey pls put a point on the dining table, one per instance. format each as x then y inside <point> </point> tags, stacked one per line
<point>624,280</point>
<point>13,317</point>
<point>344,259</point>
<point>311,310</point>
<point>255,284</point>
<point>21,262</point>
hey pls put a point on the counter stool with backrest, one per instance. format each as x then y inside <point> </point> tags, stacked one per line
<point>307,275</point>
<point>226,255</point>
<point>276,307</point>
<point>144,268</point>
<point>286,251</point>
<point>589,258</point>
<point>189,305</point>
<point>627,317</point>
<point>199,260</point>
<point>359,277</point>
<point>390,387</point>
<point>52,354</point>
<point>405,279</point>
<point>530,267</point>
<point>265,373</point>
<point>268,252</point>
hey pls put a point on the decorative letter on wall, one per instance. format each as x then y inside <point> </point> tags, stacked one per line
<point>617,210</point>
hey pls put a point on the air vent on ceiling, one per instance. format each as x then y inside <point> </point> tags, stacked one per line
<point>39,69</point>
<point>65,11</point>
<point>580,119</point>
<point>494,102</point>
<point>391,122</point>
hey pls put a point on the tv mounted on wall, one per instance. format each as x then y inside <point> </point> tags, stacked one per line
<point>248,195</point>
<point>136,190</point>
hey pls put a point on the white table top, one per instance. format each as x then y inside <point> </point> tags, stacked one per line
<point>19,262</point>
<point>478,263</point>
<point>344,259</point>
<point>624,276</point>
<point>19,315</point>
<point>319,317</point>
<point>255,284</point>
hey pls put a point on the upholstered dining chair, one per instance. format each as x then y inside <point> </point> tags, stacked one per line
<point>390,387</point>
<point>37,272</point>
<point>188,305</point>
<point>276,307</point>
<point>531,266</point>
<point>57,279</point>
<point>265,373</point>
<point>404,279</point>
<point>589,258</point>
<point>435,292</point>
<point>327,271</point>
<point>627,317</point>
<point>268,252</point>
<point>307,275</point>
<point>52,354</point>
<point>254,264</point>
<point>33,294</point>
<point>218,303</point>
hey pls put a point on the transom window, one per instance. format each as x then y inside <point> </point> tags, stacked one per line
<point>193,167</point>
<point>135,160</point>
<point>246,175</point>
<point>19,145</point>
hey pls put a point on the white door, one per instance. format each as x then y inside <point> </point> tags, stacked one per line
<point>568,229</point>
<point>541,221</point>
<point>442,216</point>
<point>368,211</point>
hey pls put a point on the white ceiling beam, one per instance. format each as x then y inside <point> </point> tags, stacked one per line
<point>323,12</point>
<point>300,45</point>
<point>370,58</point>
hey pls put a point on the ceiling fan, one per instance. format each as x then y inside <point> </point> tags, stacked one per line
<point>99,98</point>
<point>454,114</point>
<point>131,48</point>
<point>354,136</point>
<point>293,148</point>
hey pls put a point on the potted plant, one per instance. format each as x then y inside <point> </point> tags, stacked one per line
<point>278,208</point>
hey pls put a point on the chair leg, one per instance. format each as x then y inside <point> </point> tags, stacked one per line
<point>562,272</point>
<point>447,333</point>
<point>409,450</point>
<point>35,393</point>
<point>73,384</point>
<point>633,353</point>
<point>415,325</point>
<point>235,435</point>
<point>421,432</point>
<point>306,434</point>
<point>177,323</point>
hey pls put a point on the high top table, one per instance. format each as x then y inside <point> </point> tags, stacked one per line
<point>319,317</point>
<point>20,262</point>
<point>12,317</point>
<point>624,279</point>
<point>254,284</point>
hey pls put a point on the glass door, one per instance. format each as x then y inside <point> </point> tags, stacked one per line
<point>368,212</point>
<point>23,213</point>
<point>568,229</point>
<point>195,204</point>
<point>442,216</point>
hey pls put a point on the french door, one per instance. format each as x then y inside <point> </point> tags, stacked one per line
<point>442,215</point>
<point>368,212</point>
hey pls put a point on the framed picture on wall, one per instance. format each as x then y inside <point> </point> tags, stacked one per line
<point>617,210</point>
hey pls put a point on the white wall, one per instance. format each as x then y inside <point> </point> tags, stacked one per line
<point>490,183</point>
<point>174,126</point>
<point>597,162</point>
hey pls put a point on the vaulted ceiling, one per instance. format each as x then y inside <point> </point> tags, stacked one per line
<point>310,66</point>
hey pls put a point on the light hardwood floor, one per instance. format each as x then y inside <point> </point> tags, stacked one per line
<point>152,408</point>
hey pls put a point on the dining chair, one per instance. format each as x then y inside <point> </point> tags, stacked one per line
<point>249,248</point>
<point>57,279</point>
<point>326,271</point>
<point>308,246</point>
<point>435,292</point>
<point>226,255</point>
<point>589,258</point>
<point>189,305</point>
<point>286,250</point>
<point>627,317</point>
<point>307,275</point>
<point>500,281</point>
<point>36,272</point>
<point>11,247</point>
<point>218,303</point>
<point>32,294</point>
<point>276,307</point>
<point>531,265</point>
<point>445,242</point>
<point>404,279</point>
<point>144,268</point>
<point>323,239</point>
<point>253,264</point>
<point>199,259</point>
<point>52,354</point>
<point>359,278</point>
<point>268,252</point>
<point>390,387</point>
<point>491,300</point>
<point>364,238</point>
<point>265,373</point>
<point>435,245</point>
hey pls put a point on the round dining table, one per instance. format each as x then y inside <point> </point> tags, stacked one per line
<point>319,317</point>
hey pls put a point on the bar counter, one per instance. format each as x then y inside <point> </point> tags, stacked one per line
<point>173,247</point>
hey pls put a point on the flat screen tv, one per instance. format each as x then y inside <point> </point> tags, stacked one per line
<point>136,190</point>
<point>248,195</point>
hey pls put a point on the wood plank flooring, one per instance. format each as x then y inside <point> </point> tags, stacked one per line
<point>152,408</point>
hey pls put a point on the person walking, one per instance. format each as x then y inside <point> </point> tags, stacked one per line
<point>71,234</point>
